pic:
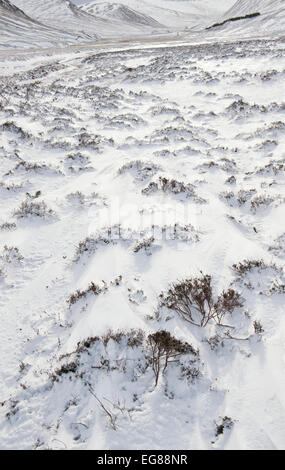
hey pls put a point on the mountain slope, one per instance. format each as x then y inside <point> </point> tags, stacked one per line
<point>65,15</point>
<point>244,7</point>
<point>117,10</point>
<point>18,29</point>
<point>173,14</point>
<point>271,19</point>
<point>58,14</point>
<point>49,23</point>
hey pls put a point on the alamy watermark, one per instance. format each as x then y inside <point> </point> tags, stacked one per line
<point>131,221</point>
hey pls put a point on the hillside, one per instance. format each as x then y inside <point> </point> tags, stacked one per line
<point>271,19</point>
<point>173,14</point>
<point>120,12</point>
<point>65,15</point>
<point>17,29</point>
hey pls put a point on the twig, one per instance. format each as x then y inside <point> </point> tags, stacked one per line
<point>107,412</point>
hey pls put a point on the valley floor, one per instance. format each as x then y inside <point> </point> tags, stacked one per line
<point>123,173</point>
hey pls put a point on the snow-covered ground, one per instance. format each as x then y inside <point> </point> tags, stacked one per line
<point>142,243</point>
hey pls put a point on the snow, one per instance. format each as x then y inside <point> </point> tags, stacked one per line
<point>64,15</point>
<point>127,166</point>
<point>172,14</point>
<point>19,30</point>
<point>272,15</point>
<point>60,23</point>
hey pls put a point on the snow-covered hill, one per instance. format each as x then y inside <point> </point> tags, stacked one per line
<point>62,21</point>
<point>270,20</point>
<point>244,7</point>
<point>119,11</point>
<point>46,23</point>
<point>173,14</point>
<point>17,29</point>
<point>60,14</point>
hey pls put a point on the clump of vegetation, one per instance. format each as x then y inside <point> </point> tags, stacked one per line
<point>165,349</point>
<point>35,195</point>
<point>135,338</point>
<point>236,18</point>
<point>81,294</point>
<point>77,196</point>
<point>76,162</point>
<point>33,209</point>
<point>278,247</point>
<point>261,201</point>
<point>144,245</point>
<point>11,186</point>
<point>2,274</point>
<point>226,423</point>
<point>87,343</point>
<point>247,265</point>
<point>85,139</point>
<point>156,351</point>
<point>258,328</point>
<point>11,254</point>
<point>214,342</point>
<point>194,301</point>
<point>277,287</point>
<point>28,166</point>
<point>89,245</point>
<point>269,275</point>
<point>142,170</point>
<point>13,409</point>
<point>173,187</point>
<point>274,167</point>
<point>239,199</point>
<point>8,226</point>
<point>231,180</point>
<point>245,195</point>
<point>65,369</point>
<point>113,336</point>
<point>10,126</point>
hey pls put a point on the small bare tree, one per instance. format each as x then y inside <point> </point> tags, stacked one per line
<point>194,301</point>
<point>165,349</point>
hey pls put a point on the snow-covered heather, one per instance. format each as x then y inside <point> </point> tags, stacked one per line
<point>142,205</point>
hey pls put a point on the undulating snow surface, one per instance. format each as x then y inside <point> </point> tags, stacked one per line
<point>142,209</point>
